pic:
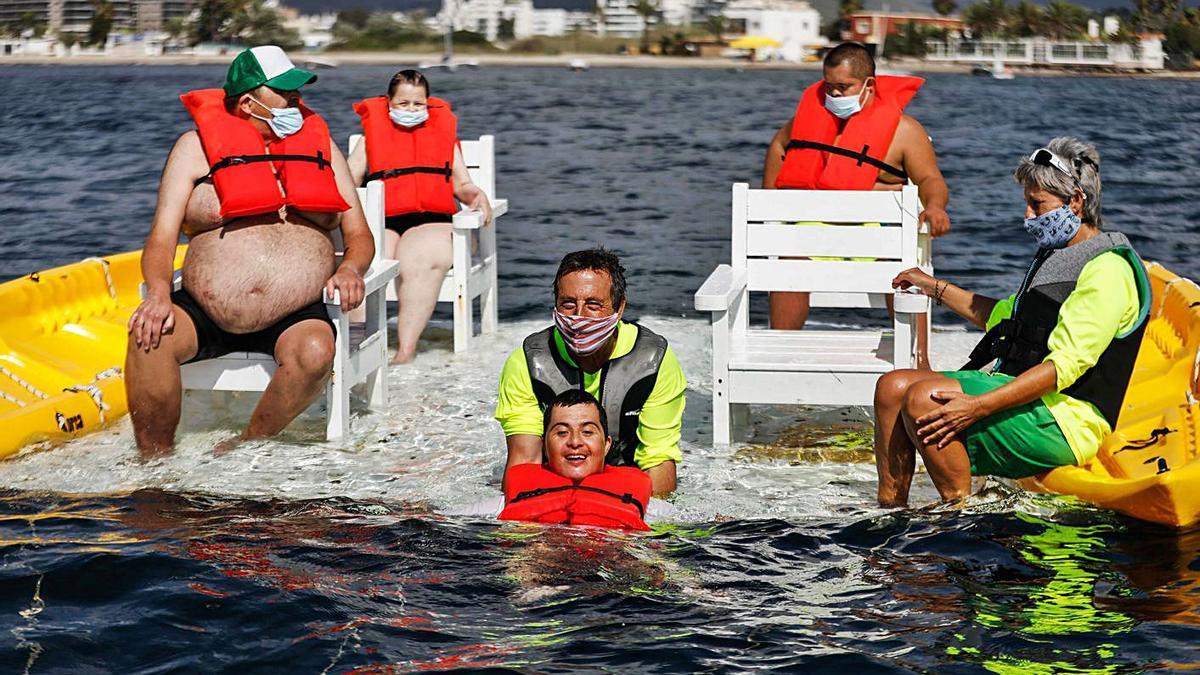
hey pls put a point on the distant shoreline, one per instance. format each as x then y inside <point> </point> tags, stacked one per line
<point>560,60</point>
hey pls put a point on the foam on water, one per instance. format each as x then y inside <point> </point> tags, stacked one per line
<point>436,443</point>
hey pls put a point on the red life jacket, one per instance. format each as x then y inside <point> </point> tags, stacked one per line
<point>813,160</point>
<point>415,164</point>
<point>616,497</point>
<point>247,175</point>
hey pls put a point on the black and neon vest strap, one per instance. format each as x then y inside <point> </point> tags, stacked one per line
<point>319,159</point>
<point>443,171</point>
<point>861,157</point>
<point>625,498</point>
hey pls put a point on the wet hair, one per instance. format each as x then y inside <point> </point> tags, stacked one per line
<point>1084,161</point>
<point>569,399</point>
<point>598,259</point>
<point>862,64</point>
<point>413,77</point>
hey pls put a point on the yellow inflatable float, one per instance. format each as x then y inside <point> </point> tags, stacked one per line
<point>62,346</point>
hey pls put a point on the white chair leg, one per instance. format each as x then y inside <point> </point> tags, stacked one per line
<point>722,432</point>
<point>337,391</point>
<point>489,309</point>
<point>377,380</point>
<point>463,319</point>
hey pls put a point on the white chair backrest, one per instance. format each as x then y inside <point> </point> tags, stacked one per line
<point>479,155</point>
<point>767,238</point>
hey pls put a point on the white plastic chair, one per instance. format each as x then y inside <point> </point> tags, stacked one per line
<point>466,279</point>
<point>812,367</point>
<point>359,358</point>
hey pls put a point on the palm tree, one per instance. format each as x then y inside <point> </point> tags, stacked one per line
<point>945,7</point>
<point>598,11</point>
<point>986,18</point>
<point>717,25</point>
<point>1064,20</point>
<point>1025,20</point>
<point>647,9</point>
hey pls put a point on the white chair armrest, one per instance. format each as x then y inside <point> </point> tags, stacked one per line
<point>176,284</point>
<point>473,220</point>
<point>377,278</point>
<point>909,302</point>
<point>721,288</point>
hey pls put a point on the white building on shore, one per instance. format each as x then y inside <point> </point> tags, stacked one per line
<point>795,24</point>
<point>516,19</point>
<point>1146,54</point>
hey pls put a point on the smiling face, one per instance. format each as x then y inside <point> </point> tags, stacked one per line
<point>575,441</point>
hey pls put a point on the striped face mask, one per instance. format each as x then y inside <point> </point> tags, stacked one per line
<point>585,334</point>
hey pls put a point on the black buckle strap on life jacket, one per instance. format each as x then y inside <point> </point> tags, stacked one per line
<point>860,157</point>
<point>1011,340</point>
<point>623,498</point>
<point>237,160</point>
<point>408,171</point>
<point>1155,436</point>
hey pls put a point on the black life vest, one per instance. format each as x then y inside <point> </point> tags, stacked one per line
<point>1020,341</point>
<point>625,384</point>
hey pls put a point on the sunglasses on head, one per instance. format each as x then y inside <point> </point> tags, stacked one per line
<point>1044,157</point>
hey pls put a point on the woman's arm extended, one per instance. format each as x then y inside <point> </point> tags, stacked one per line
<point>971,306</point>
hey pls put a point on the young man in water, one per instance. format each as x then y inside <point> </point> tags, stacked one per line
<point>849,133</point>
<point>255,270</point>
<point>570,482</point>
<point>629,368</point>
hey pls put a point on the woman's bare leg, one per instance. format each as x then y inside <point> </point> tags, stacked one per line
<point>949,466</point>
<point>895,454</point>
<point>425,255</point>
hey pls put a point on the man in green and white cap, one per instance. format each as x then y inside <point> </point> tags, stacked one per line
<point>255,271</point>
<point>267,65</point>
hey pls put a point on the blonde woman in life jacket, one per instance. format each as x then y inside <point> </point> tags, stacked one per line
<point>411,144</point>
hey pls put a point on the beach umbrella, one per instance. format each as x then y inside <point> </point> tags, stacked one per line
<point>754,42</point>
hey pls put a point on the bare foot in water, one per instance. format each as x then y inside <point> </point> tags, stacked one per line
<point>401,359</point>
<point>227,446</point>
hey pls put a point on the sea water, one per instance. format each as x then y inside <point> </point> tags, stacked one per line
<point>298,555</point>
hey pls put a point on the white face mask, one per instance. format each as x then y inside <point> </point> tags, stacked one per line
<point>283,121</point>
<point>845,106</point>
<point>406,118</point>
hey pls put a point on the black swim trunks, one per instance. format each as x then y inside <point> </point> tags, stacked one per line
<point>404,222</point>
<point>212,341</point>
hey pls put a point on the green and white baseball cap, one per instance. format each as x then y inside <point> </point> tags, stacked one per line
<point>267,65</point>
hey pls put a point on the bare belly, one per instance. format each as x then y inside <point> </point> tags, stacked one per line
<point>252,272</point>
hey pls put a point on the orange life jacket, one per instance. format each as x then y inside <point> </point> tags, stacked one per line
<point>414,163</point>
<point>247,174</point>
<point>814,162</point>
<point>615,497</point>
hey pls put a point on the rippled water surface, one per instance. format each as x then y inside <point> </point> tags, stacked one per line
<point>297,555</point>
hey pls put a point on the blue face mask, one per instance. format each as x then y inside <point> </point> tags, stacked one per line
<point>408,119</point>
<point>1054,229</point>
<point>283,121</point>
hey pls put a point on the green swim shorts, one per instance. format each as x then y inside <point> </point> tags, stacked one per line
<point>1014,443</point>
<point>814,223</point>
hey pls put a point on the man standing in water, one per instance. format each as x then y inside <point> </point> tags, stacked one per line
<point>258,187</point>
<point>850,133</point>
<point>627,367</point>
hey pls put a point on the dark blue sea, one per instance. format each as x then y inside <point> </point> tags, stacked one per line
<point>296,555</point>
